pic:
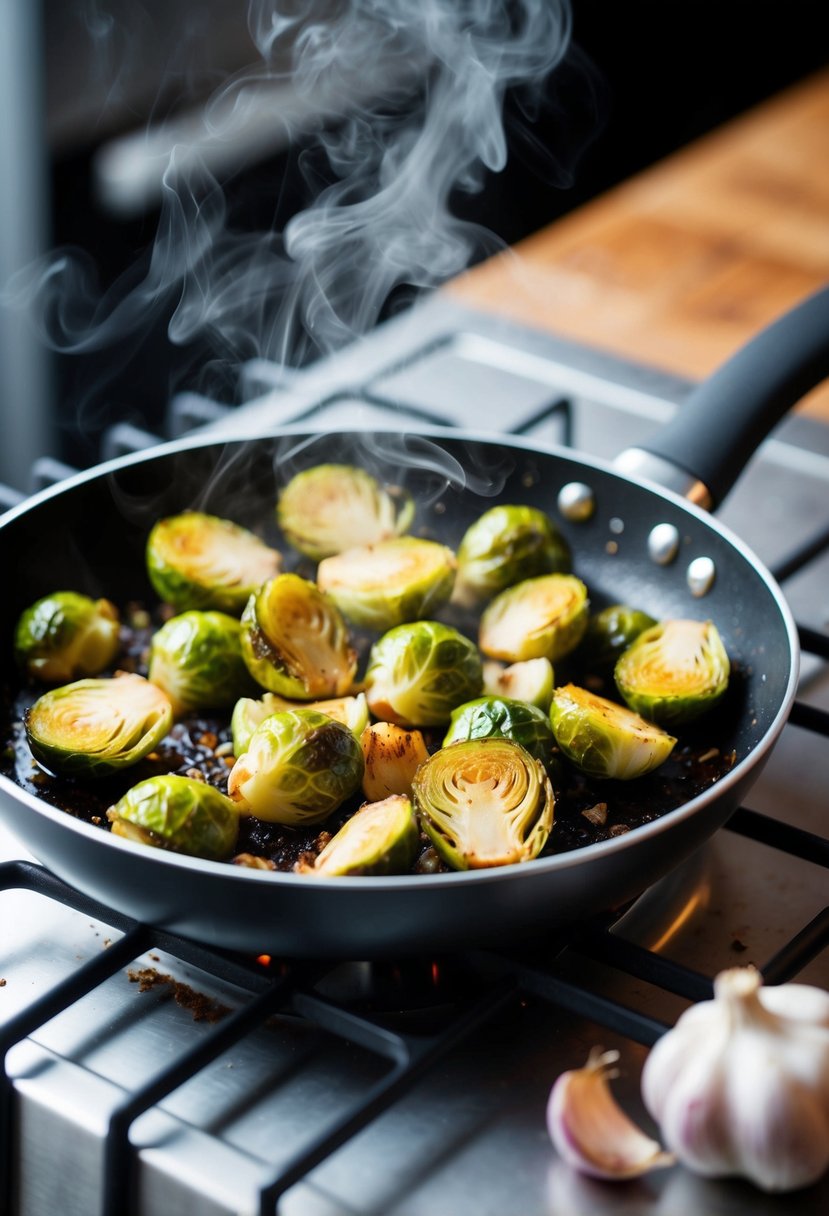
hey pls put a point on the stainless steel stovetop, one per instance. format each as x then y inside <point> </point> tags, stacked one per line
<point>150,1076</point>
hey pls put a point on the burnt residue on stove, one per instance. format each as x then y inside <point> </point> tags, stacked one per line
<point>587,810</point>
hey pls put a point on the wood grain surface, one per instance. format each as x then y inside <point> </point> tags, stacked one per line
<point>680,265</point>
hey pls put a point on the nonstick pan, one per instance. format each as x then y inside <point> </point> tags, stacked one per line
<point>89,533</point>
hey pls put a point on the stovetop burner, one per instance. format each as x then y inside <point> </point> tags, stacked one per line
<point>234,1085</point>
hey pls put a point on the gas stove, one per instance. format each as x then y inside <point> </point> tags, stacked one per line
<point>148,1075</point>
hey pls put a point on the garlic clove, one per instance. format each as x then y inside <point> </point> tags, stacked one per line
<point>590,1130</point>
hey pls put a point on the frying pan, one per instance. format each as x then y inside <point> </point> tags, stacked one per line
<point>88,534</point>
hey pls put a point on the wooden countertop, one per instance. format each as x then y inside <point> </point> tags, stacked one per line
<point>680,265</point>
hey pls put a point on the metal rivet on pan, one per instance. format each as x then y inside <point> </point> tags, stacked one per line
<point>617,525</point>
<point>576,501</point>
<point>663,544</point>
<point>701,575</point>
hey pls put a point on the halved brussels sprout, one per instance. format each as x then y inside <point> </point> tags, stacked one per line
<point>299,766</point>
<point>485,803</point>
<point>66,635</point>
<point>249,713</point>
<point>381,838</point>
<point>419,672</point>
<point>379,586</point>
<point>506,545</point>
<point>674,672</point>
<point>605,739</point>
<point>180,814</point>
<point>502,718</point>
<point>196,658</point>
<point>196,560</point>
<point>333,507</point>
<point>295,641</point>
<point>542,617</point>
<point>392,756</point>
<point>95,727</point>
<point>531,681</point>
<point>610,632</point>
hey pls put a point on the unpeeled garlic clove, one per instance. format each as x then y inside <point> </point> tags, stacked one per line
<point>590,1130</point>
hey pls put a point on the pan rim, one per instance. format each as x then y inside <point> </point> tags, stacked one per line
<point>406,882</point>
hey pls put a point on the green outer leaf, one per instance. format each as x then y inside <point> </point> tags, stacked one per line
<point>180,814</point>
<point>380,838</point>
<point>610,632</point>
<point>419,672</point>
<point>501,717</point>
<point>299,767</point>
<point>456,795</point>
<point>332,507</point>
<point>295,642</point>
<point>196,657</point>
<point>542,617</point>
<point>386,584</point>
<point>508,544</point>
<point>604,739</point>
<point>122,720</point>
<point>179,553</point>
<point>671,649</point>
<point>65,635</point>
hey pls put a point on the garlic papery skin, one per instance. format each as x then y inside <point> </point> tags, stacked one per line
<point>589,1129</point>
<point>740,1086</point>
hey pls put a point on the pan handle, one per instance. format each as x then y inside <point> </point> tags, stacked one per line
<point>701,452</point>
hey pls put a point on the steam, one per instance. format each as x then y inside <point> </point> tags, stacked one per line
<point>418,87</point>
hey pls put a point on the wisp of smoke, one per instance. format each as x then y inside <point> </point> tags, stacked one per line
<point>436,73</point>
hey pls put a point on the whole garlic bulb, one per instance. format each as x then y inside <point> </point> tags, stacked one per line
<point>740,1086</point>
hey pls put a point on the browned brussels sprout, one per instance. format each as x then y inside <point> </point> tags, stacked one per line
<point>96,727</point>
<point>180,814</point>
<point>196,560</point>
<point>542,617</point>
<point>295,641</point>
<point>381,838</point>
<point>605,739</point>
<point>332,507</point>
<point>66,635</point>
<point>485,802</point>
<point>674,672</point>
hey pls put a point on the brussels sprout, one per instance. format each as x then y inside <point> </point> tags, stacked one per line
<point>381,838</point>
<point>249,713</point>
<point>180,814</point>
<point>66,635</point>
<point>531,681</point>
<point>392,756</point>
<point>542,617</point>
<point>605,739</point>
<point>299,766</point>
<point>200,561</point>
<point>610,632</point>
<point>485,802</point>
<point>196,658</point>
<point>95,727</point>
<point>382,585</point>
<point>295,641</point>
<point>674,672</point>
<point>333,507</point>
<point>418,673</point>
<point>499,717</point>
<point>506,545</point>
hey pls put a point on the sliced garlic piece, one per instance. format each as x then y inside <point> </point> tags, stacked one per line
<point>590,1130</point>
